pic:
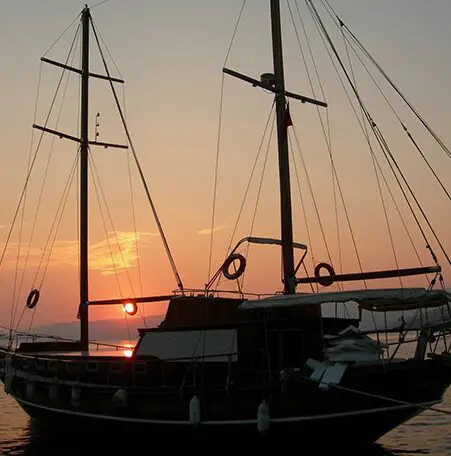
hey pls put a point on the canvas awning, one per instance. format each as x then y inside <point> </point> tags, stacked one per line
<point>387,299</point>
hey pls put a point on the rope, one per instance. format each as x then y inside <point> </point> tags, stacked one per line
<point>377,396</point>
<point>343,28</point>
<point>384,207</point>
<point>381,140</point>
<point>130,183</point>
<point>393,85</point>
<point>221,106</point>
<point>138,165</point>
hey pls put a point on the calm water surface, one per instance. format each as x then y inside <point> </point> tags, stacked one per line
<point>428,434</point>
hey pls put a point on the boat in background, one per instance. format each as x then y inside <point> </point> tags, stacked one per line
<point>233,365</point>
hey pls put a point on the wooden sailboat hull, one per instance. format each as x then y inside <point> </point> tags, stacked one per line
<point>359,428</point>
<point>330,416</point>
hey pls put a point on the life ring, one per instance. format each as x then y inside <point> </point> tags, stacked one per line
<point>325,281</point>
<point>33,298</point>
<point>229,261</point>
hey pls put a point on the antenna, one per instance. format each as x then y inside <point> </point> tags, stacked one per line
<point>97,125</point>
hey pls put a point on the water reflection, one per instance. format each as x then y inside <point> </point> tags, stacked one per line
<point>33,441</point>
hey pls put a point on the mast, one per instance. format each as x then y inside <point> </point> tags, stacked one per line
<point>84,151</point>
<point>284,164</point>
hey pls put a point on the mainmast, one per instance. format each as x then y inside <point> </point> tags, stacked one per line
<point>284,163</point>
<point>84,151</point>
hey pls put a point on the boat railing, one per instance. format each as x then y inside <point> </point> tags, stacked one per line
<point>18,336</point>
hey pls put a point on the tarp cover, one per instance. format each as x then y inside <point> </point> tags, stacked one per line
<point>385,299</point>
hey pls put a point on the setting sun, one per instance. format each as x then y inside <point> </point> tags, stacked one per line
<point>130,308</point>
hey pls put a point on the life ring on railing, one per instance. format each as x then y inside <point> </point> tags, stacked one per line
<point>33,298</point>
<point>242,266</point>
<point>325,281</point>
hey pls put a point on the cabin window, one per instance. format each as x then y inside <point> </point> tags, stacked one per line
<point>92,367</point>
<point>140,368</point>
<point>116,368</point>
<point>209,345</point>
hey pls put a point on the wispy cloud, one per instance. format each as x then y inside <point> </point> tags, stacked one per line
<point>209,230</point>
<point>113,254</point>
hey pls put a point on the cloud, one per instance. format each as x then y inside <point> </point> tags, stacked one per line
<point>209,230</point>
<point>111,255</point>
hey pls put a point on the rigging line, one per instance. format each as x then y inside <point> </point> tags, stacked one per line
<point>112,225</point>
<point>132,200</point>
<point>111,57</point>
<point>415,199</point>
<point>44,179</point>
<point>404,127</point>
<point>254,166</point>
<point>116,275</point>
<point>394,86</point>
<point>99,3</point>
<point>113,263</point>
<point>315,204</point>
<point>138,165</point>
<point>363,128</point>
<point>387,222</point>
<point>31,320</point>
<point>318,24</point>
<point>215,182</point>
<point>377,396</point>
<point>128,328</point>
<point>259,150</point>
<point>63,198</point>
<point>381,139</point>
<point>327,136</point>
<point>221,106</point>
<point>30,154</point>
<point>260,186</point>
<point>22,198</point>
<point>234,32</point>
<point>66,196</point>
<point>72,171</point>
<point>298,181</point>
<point>62,34</point>
<point>427,162</point>
<point>129,176</point>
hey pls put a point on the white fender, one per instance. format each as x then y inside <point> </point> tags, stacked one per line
<point>120,398</point>
<point>75,396</point>
<point>194,411</point>
<point>9,374</point>
<point>263,419</point>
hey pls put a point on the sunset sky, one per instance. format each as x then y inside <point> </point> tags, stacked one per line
<point>171,54</point>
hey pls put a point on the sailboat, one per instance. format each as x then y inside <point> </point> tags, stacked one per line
<point>228,366</point>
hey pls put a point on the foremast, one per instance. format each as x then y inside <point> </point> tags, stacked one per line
<point>84,155</point>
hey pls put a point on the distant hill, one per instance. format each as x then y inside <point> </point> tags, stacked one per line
<point>101,330</point>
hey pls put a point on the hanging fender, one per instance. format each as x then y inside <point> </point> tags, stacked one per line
<point>33,298</point>
<point>325,281</point>
<point>242,266</point>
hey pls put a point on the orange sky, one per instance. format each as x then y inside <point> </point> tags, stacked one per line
<point>171,57</point>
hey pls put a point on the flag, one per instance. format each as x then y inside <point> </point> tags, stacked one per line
<point>288,121</point>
